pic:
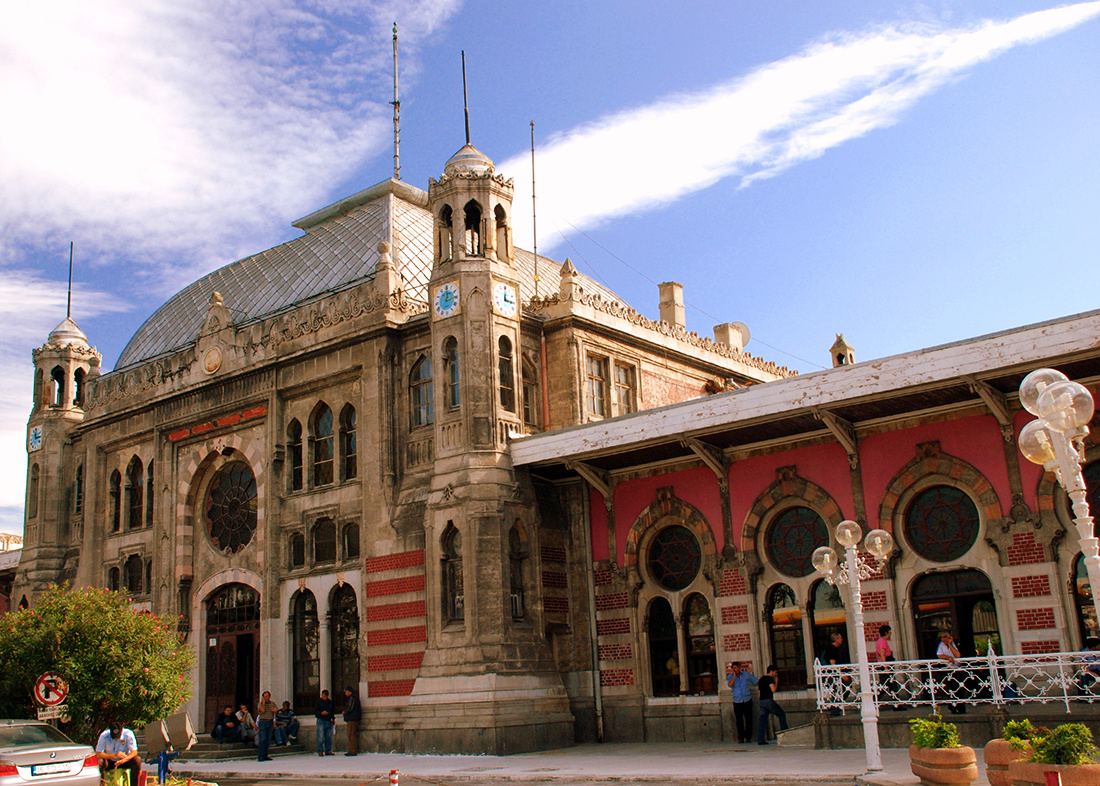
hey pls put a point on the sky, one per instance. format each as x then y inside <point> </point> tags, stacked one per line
<point>905,173</point>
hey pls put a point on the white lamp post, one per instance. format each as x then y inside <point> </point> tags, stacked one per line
<point>879,543</point>
<point>1056,441</point>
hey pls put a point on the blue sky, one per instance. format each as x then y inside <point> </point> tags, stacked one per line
<point>907,173</point>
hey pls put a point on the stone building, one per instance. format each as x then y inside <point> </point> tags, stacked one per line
<point>306,456</point>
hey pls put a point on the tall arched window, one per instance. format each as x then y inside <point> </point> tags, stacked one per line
<point>134,572</point>
<point>453,602</point>
<point>452,392</point>
<point>57,391</point>
<point>349,455</point>
<point>32,492</point>
<point>297,549</point>
<point>323,455</point>
<point>420,392</point>
<point>38,377</point>
<point>826,615</point>
<point>507,374</point>
<point>116,501</point>
<point>501,232</point>
<point>1082,600</point>
<point>78,490</point>
<point>702,661</point>
<point>113,579</point>
<point>324,541</point>
<point>473,228</point>
<point>135,489</point>
<point>942,523</point>
<point>345,641</point>
<point>446,230</point>
<point>307,662</point>
<point>517,554</point>
<point>149,495</point>
<point>530,393</point>
<point>351,541</point>
<point>78,388</point>
<point>664,654</point>
<point>785,629</point>
<point>294,454</point>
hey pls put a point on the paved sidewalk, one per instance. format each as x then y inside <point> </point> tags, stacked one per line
<point>625,763</point>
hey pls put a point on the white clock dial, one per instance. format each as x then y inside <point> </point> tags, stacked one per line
<point>34,439</point>
<point>445,302</point>
<point>504,299</point>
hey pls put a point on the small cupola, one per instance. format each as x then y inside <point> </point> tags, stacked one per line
<point>469,160</point>
<point>842,352</point>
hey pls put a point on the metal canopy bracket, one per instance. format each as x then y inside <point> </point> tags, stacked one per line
<point>993,398</point>
<point>598,478</point>
<point>840,428</point>
<point>709,455</point>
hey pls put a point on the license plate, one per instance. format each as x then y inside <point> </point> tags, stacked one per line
<point>47,769</point>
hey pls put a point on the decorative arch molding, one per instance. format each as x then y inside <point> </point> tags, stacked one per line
<point>666,504</point>
<point>788,489</point>
<point>216,582</point>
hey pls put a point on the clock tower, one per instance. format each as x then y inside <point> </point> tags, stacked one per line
<point>64,366</point>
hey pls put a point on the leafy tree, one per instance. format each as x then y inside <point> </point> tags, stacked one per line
<point>119,662</point>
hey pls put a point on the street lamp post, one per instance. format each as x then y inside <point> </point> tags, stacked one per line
<point>878,543</point>
<point>1056,442</point>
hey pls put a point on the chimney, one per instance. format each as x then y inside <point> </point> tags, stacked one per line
<point>733,334</point>
<point>672,303</point>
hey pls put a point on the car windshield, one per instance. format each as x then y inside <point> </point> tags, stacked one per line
<point>30,734</point>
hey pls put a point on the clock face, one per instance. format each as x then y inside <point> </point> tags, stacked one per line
<point>504,299</point>
<point>445,302</point>
<point>34,439</point>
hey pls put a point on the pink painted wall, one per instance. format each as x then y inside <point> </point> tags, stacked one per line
<point>697,487</point>
<point>597,517</point>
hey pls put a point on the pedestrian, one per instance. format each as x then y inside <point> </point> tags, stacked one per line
<point>265,723</point>
<point>117,749</point>
<point>888,695</point>
<point>226,726</point>
<point>949,653</point>
<point>324,712</point>
<point>741,681</point>
<point>353,713</point>
<point>286,725</point>
<point>835,653</point>
<point>768,685</point>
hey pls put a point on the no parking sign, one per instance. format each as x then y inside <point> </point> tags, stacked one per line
<point>50,689</point>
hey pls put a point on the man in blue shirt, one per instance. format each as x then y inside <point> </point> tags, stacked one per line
<point>117,748</point>
<point>741,682</point>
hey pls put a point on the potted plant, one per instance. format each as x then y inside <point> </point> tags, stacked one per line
<point>1068,750</point>
<point>936,755</point>
<point>1013,744</point>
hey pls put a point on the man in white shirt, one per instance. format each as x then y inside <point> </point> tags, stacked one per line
<point>117,749</point>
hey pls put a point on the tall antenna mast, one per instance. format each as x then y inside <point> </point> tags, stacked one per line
<point>69,300</point>
<point>534,222</point>
<point>396,113</point>
<point>465,103</point>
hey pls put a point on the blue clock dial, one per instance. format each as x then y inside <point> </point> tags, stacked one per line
<point>446,300</point>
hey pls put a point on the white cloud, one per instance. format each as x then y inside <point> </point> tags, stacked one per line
<point>757,126</point>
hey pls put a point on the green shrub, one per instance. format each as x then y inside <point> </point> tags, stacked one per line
<point>1020,733</point>
<point>934,732</point>
<point>1070,743</point>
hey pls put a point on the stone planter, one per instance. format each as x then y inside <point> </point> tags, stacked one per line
<point>998,754</point>
<point>944,765</point>
<point>1028,773</point>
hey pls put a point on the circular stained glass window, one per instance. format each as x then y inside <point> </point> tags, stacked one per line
<point>941,523</point>
<point>792,538</point>
<point>231,507</point>
<point>674,558</point>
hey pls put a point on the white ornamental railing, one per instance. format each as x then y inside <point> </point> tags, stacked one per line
<point>994,679</point>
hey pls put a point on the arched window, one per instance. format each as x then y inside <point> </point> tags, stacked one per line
<point>135,494</point>
<point>452,393</point>
<point>785,629</point>
<point>78,490</point>
<point>149,577</point>
<point>530,393</point>
<point>420,393</point>
<point>149,495</point>
<point>826,616</point>
<point>134,572</point>
<point>323,456</point>
<point>230,507</point>
<point>473,228</point>
<point>1082,599</point>
<point>297,549</point>
<point>78,388</point>
<point>294,454</point>
<point>349,455</point>
<point>507,374</point>
<point>324,541</point>
<point>664,654</point>
<point>446,230</point>
<point>305,632</point>
<point>942,523</point>
<point>453,601</point>
<point>503,252</point>
<point>38,376</point>
<point>517,553</point>
<point>57,389</point>
<point>112,579</point>
<point>351,541</point>
<point>345,641</point>
<point>702,661</point>
<point>116,501</point>
<point>790,541</point>
<point>32,492</point>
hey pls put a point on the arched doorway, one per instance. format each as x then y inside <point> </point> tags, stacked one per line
<point>345,643</point>
<point>1082,600</point>
<point>960,601</point>
<point>788,644</point>
<point>827,617</point>
<point>232,649</point>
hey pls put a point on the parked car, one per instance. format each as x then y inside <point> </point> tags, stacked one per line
<point>35,752</point>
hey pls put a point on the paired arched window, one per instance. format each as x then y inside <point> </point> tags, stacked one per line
<point>420,393</point>
<point>452,392</point>
<point>351,541</point>
<point>78,388</point>
<point>785,630</point>
<point>32,492</point>
<point>149,495</point>
<point>345,640</point>
<point>294,454</point>
<point>38,377</point>
<point>297,549</point>
<point>507,374</point>
<point>113,579</point>
<point>135,489</point>
<point>78,490</point>
<point>472,236</point>
<point>453,601</point>
<point>446,230</point>
<point>349,455</point>
<point>530,393</point>
<point>57,389</point>
<point>134,573</point>
<point>115,492</point>
<point>305,632</point>
<point>702,660</point>
<point>323,455</point>
<point>501,232</point>
<point>324,541</point>
<point>826,615</point>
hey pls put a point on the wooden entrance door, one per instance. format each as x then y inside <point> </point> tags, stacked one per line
<point>232,649</point>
